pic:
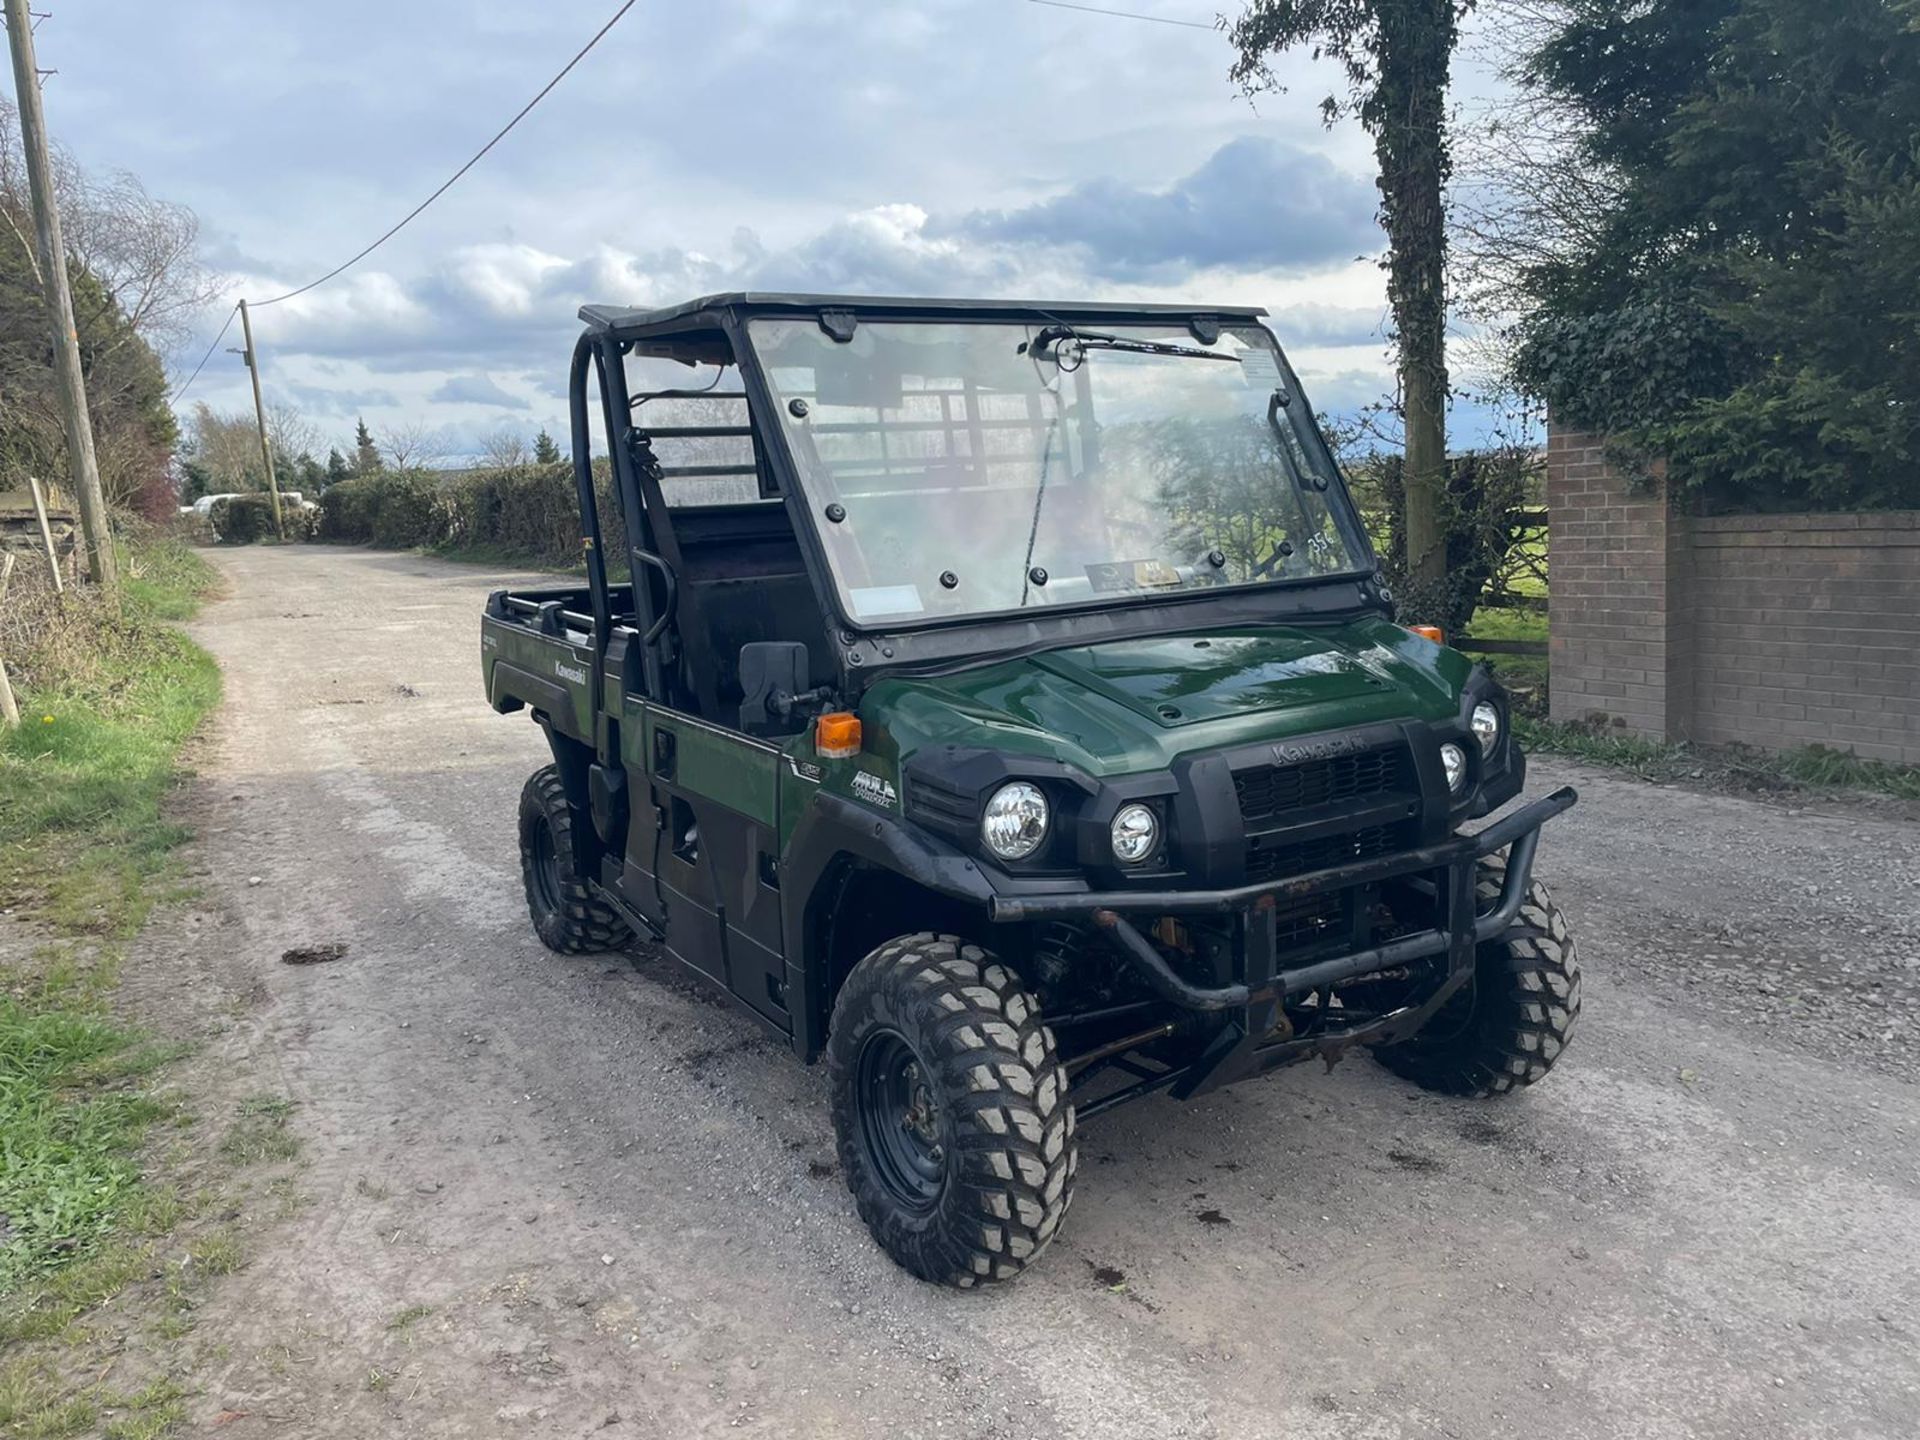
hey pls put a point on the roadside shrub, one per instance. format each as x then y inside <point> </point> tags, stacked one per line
<point>243,520</point>
<point>347,510</point>
<point>404,516</point>
<point>525,513</point>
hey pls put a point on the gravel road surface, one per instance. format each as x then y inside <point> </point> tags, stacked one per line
<point>619,1200</point>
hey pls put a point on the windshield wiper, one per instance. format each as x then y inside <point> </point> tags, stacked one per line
<point>1052,335</point>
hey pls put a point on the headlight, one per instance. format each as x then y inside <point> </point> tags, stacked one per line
<point>1486,725</point>
<point>1135,832</point>
<point>1455,761</point>
<point>1015,820</point>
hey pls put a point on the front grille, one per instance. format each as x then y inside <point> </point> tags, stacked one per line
<point>1279,862</point>
<point>1271,790</point>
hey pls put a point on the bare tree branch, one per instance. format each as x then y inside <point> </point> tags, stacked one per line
<point>506,449</point>
<point>412,446</point>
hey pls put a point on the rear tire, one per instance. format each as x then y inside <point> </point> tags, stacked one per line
<point>566,916</point>
<point>1510,1025</point>
<point>950,1103</point>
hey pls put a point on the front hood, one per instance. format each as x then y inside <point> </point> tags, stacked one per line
<point>1191,679</point>
<point>1129,705</point>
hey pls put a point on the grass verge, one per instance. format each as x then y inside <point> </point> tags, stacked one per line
<point>1806,768</point>
<point>110,693</point>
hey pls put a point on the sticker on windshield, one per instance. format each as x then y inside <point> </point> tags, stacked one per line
<point>1260,370</point>
<point>1108,576</point>
<point>870,600</point>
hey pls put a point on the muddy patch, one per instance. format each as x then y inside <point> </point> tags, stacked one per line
<point>314,954</point>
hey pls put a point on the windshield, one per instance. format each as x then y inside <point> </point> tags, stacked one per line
<point>962,469</point>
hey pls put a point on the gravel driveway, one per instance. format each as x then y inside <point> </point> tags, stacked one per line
<point>620,1201</point>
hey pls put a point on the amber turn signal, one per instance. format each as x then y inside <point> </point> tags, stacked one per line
<point>837,735</point>
<point>1432,632</point>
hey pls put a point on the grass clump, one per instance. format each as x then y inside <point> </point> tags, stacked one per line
<point>67,1167</point>
<point>259,1134</point>
<point>406,1319</point>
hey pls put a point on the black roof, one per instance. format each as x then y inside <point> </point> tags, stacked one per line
<point>627,320</point>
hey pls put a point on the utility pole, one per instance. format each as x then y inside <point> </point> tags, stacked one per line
<point>259,414</point>
<point>101,564</point>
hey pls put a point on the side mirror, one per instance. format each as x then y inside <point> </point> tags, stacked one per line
<point>773,675</point>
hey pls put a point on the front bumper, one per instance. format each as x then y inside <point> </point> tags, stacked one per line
<point>1260,988</point>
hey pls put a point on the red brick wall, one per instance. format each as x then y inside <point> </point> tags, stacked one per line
<point>1770,630</point>
<point>1616,641</point>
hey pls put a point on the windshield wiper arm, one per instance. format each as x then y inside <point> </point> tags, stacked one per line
<point>1052,335</point>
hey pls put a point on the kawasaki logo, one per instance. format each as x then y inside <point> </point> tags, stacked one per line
<point>1316,749</point>
<point>576,673</point>
<point>874,790</point>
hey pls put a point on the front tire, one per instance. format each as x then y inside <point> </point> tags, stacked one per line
<point>1509,1026</point>
<point>566,916</point>
<point>950,1104</point>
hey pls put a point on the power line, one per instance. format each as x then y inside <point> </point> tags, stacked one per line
<point>1125,14</point>
<point>448,185</point>
<point>206,357</point>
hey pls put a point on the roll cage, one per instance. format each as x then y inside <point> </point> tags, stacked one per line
<point>708,578</point>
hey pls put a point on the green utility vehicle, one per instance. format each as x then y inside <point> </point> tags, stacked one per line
<point>1001,702</point>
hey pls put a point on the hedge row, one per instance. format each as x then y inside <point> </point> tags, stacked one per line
<point>248,520</point>
<point>529,513</point>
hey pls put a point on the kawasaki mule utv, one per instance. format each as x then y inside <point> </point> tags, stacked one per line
<point>1001,702</point>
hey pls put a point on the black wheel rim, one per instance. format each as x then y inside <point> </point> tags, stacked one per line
<point>546,868</point>
<point>901,1127</point>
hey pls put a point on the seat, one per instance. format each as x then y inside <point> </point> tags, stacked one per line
<point>742,580</point>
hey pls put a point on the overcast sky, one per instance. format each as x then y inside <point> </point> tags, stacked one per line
<point>950,147</point>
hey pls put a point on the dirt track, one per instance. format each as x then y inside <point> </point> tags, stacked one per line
<point>618,1199</point>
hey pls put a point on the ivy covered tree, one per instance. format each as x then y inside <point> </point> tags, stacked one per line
<point>1748,307</point>
<point>1396,55</point>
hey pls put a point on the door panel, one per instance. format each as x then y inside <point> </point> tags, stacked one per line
<point>705,825</point>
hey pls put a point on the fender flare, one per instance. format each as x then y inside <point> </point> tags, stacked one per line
<point>832,831</point>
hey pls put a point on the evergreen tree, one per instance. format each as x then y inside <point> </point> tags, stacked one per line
<point>366,454</point>
<point>1746,309</point>
<point>337,468</point>
<point>545,452</point>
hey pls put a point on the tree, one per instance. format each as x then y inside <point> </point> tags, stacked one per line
<point>143,253</point>
<point>1524,194</point>
<point>366,455</point>
<point>1746,305</point>
<point>1396,55</point>
<point>290,433</point>
<point>412,446</point>
<point>134,430</point>
<point>505,450</point>
<point>337,468</point>
<point>545,452</point>
<point>225,449</point>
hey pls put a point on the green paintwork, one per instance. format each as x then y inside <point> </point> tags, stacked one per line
<point>1186,680</point>
<point>546,657</point>
<point>728,769</point>
<point>1097,707</point>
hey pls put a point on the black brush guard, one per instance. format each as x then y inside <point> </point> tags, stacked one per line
<point>1246,1046</point>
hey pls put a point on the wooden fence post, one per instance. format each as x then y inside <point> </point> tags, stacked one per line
<point>46,534</point>
<point>9,711</point>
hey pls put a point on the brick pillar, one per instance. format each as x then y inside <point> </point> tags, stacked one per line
<point>1619,637</point>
